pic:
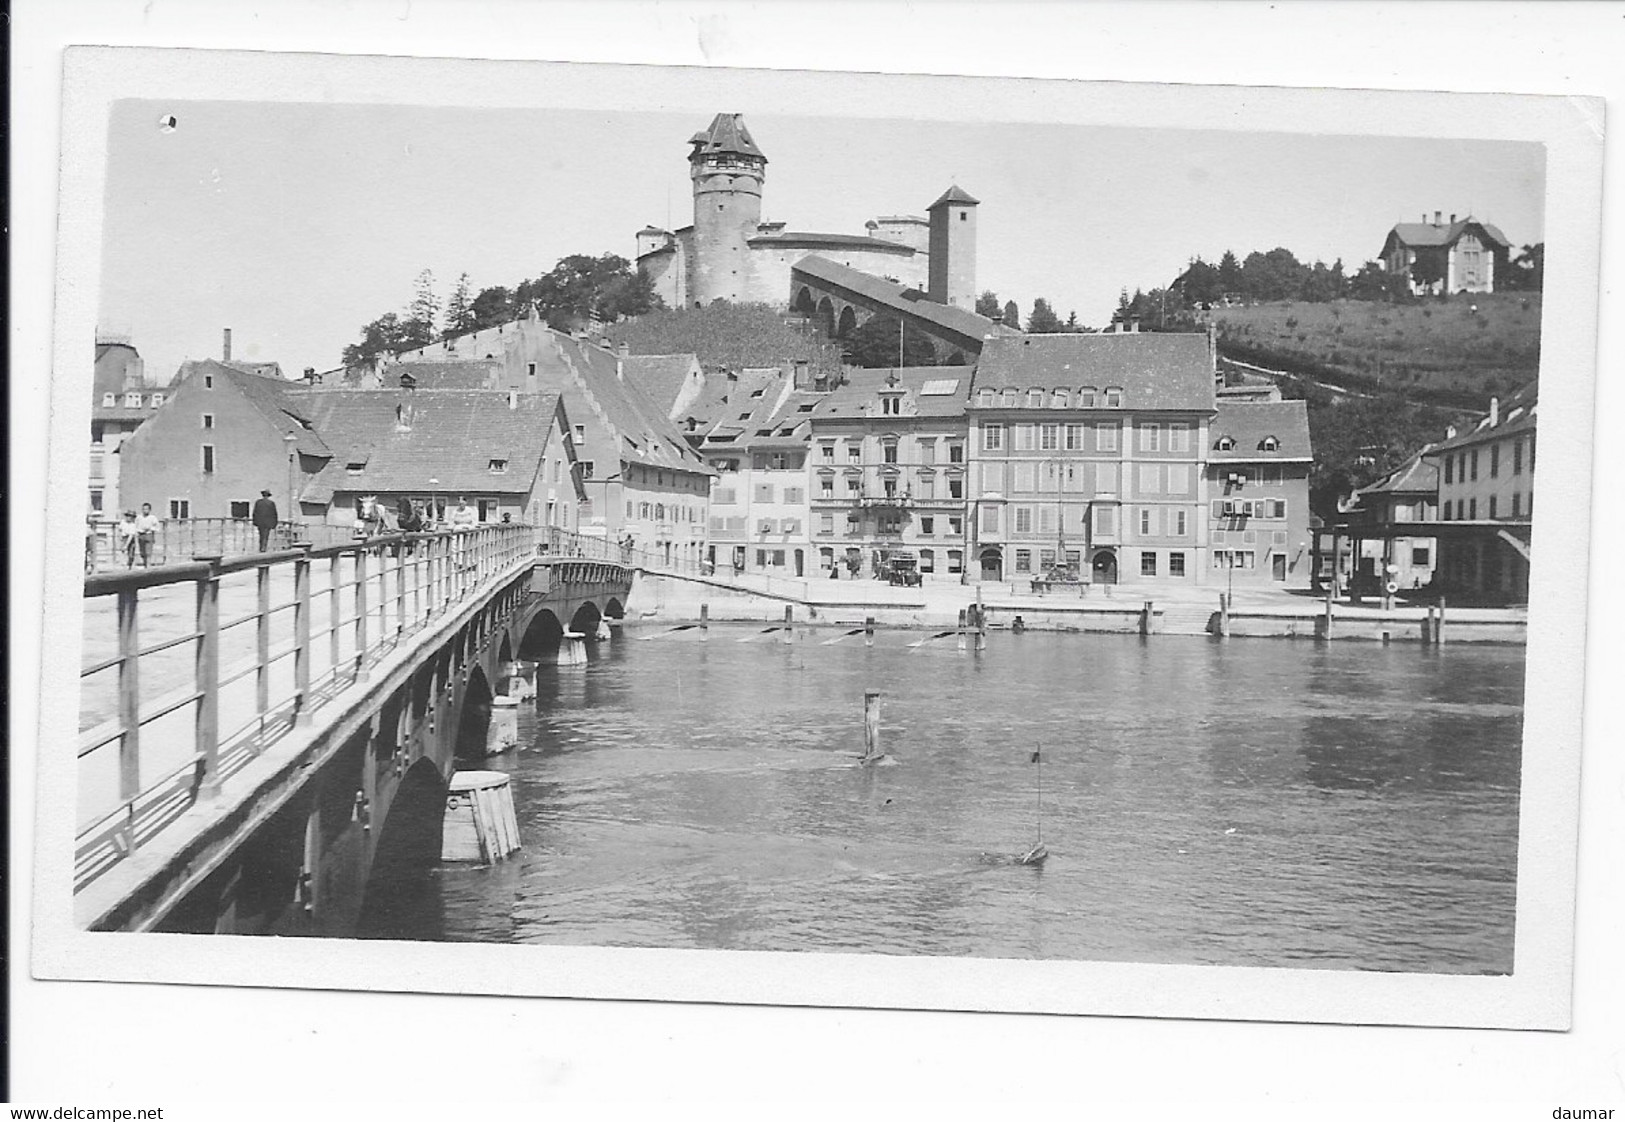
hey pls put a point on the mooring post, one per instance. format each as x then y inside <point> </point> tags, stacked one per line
<point>789,620</point>
<point>868,631</point>
<point>705,621</point>
<point>1438,630</point>
<point>1326,626</point>
<point>964,614</point>
<point>1427,627</point>
<point>1145,619</point>
<point>871,724</point>
<point>1224,616</point>
<point>981,622</point>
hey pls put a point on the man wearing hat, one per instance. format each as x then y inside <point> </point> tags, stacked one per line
<point>265,518</point>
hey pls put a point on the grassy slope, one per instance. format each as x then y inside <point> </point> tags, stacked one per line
<point>1442,346</point>
<point>730,335</point>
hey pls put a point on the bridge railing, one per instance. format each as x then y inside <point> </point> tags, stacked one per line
<point>563,543</point>
<point>180,539</point>
<point>191,670</point>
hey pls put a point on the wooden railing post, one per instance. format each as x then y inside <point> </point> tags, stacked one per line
<point>207,679</point>
<point>400,588</point>
<point>262,643</point>
<point>361,615</point>
<point>333,612</point>
<point>129,702</point>
<point>301,638</point>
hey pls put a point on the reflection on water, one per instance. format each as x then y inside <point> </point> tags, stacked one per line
<point>1264,803</point>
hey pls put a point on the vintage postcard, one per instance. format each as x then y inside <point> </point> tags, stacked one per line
<point>795,538</point>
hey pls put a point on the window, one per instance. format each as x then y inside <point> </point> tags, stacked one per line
<point>355,467</point>
<point>826,488</point>
<point>1517,458</point>
<point>1086,397</point>
<point>1035,399</point>
<point>97,432</point>
<point>1472,464</point>
<point>1074,438</point>
<point>928,450</point>
<point>1024,438</point>
<point>239,510</point>
<point>984,398</point>
<point>928,560</point>
<point>928,526</point>
<point>1049,437</point>
<point>132,400</point>
<point>1449,469</point>
<point>1420,556</point>
<point>1517,502</point>
<point>1046,559</point>
<point>629,507</point>
<point>1495,462</point>
<point>827,452</point>
<point>990,520</point>
<point>180,508</point>
<point>1150,438</point>
<point>1060,399</point>
<point>1150,479</point>
<point>208,420</point>
<point>1106,479</point>
<point>1048,479</point>
<point>826,523</point>
<point>96,500</point>
<point>1024,520</point>
<point>853,487</point>
<point>794,496</point>
<point>208,381</point>
<point>1009,398</point>
<point>762,493</point>
<point>1226,444</point>
<point>956,453</point>
<point>956,488</point>
<point>1024,560</point>
<point>1472,508</point>
<point>1269,444</point>
<point>765,526</point>
<point>1179,438</point>
<point>891,404</point>
<point>956,561</point>
<point>1114,397</point>
<point>1176,564</point>
<point>722,496</point>
<point>1026,476</point>
<point>1148,564</point>
<point>1106,438</point>
<point>208,459</point>
<point>1492,506</point>
<point>854,453</point>
<point>496,466</point>
<point>580,431</point>
<point>1046,520</point>
<point>1105,521</point>
<point>587,467</point>
<point>888,452</point>
<point>109,400</point>
<point>1145,521</point>
<point>956,526</point>
<point>1277,537</point>
<point>1181,523</point>
<point>157,400</point>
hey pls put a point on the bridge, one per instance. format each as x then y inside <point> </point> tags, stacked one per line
<point>266,740</point>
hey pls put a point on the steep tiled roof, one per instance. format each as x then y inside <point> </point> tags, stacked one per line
<point>1514,415</point>
<point>955,194</point>
<point>436,374</point>
<point>1249,423</point>
<point>901,299</point>
<point>660,377</point>
<point>834,241</point>
<point>1415,475</point>
<point>648,435</point>
<point>726,135</point>
<point>1154,371</point>
<point>279,401</point>
<point>454,436</point>
<point>860,396</point>
<point>1422,234</point>
<point>729,394</point>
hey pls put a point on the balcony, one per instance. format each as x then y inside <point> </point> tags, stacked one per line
<point>880,500</point>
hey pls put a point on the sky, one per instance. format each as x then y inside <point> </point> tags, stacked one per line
<point>295,224</point>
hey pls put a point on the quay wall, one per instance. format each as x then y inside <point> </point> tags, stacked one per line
<point>663,599</point>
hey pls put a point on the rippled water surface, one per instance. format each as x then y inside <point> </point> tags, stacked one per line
<point>1257,802</point>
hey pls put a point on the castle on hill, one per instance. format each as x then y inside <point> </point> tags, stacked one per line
<point>730,254</point>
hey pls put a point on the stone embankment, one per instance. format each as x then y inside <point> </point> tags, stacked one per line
<point>1118,608</point>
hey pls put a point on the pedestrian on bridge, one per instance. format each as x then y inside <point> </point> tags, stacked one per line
<point>264,518</point>
<point>146,533</point>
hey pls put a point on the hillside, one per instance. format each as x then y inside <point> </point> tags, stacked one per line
<point>1459,351</point>
<point>730,335</point>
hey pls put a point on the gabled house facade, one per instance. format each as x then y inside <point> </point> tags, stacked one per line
<point>1444,257</point>
<point>1257,489</point>
<point>1379,543</point>
<point>121,402</point>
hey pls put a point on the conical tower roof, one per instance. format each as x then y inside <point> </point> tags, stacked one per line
<point>727,135</point>
<point>955,194</point>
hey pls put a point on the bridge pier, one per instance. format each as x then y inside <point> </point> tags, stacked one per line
<point>603,630</point>
<point>503,732</point>
<point>573,649</point>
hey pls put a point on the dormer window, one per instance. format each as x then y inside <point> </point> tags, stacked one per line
<point>986,398</point>
<point>497,467</point>
<point>1086,397</point>
<point>891,404</point>
<point>132,400</point>
<point>1114,397</point>
<point>1035,399</point>
<point>109,400</point>
<point>1009,398</point>
<point>355,467</point>
<point>1269,444</point>
<point>157,400</point>
<point>1226,444</point>
<point>1060,399</point>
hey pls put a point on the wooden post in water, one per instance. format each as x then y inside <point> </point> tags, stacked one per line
<point>1427,627</point>
<point>964,614</point>
<point>868,631</point>
<point>1438,630</point>
<point>705,621</point>
<point>1224,616</point>
<point>1145,618</point>
<point>871,725</point>
<point>981,622</point>
<point>789,621</point>
<point>1326,628</point>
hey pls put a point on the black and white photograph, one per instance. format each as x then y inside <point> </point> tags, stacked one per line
<point>569,530</point>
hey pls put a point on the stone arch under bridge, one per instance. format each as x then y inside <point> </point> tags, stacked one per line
<point>837,311</point>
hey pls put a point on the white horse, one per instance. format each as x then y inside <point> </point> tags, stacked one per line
<point>373,518</point>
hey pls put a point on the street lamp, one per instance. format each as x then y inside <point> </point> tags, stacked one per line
<point>1060,515</point>
<point>291,439</point>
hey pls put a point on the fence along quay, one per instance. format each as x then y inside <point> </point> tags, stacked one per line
<point>300,625</point>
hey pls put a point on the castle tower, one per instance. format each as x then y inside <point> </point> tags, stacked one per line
<point>727,170</point>
<point>953,249</point>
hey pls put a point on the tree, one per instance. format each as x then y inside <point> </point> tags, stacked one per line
<point>421,312</point>
<point>987,304</point>
<point>1043,320</point>
<point>1276,275</point>
<point>1012,315</point>
<point>1428,269</point>
<point>1372,282</point>
<point>492,306</point>
<point>1200,283</point>
<point>1230,274</point>
<point>459,311</point>
<point>1525,272</point>
<point>385,335</point>
<point>1072,321</point>
<point>873,345</point>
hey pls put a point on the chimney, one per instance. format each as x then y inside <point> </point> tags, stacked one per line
<point>513,399</point>
<point>1134,325</point>
<point>620,369</point>
<point>1452,220</point>
<point>1436,217</point>
<point>624,350</point>
<point>799,380</point>
<point>225,346</point>
<point>1495,411</point>
<point>310,375</point>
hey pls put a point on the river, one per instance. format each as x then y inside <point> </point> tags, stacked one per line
<point>1250,802</point>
